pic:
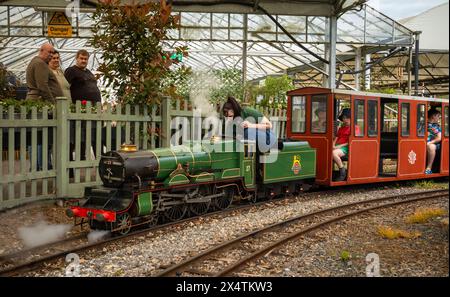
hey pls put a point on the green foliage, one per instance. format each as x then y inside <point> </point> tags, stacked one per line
<point>179,80</point>
<point>390,91</point>
<point>130,38</point>
<point>425,184</point>
<point>275,89</point>
<point>230,84</point>
<point>6,91</point>
<point>345,256</point>
<point>28,104</point>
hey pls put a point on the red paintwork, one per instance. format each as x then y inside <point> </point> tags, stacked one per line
<point>365,151</point>
<point>81,212</point>
<point>321,142</point>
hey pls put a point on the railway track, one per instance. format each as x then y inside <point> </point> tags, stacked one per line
<point>31,259</point>
<point>10,258</point>
<point>232,256</point>
<point>35,258</point>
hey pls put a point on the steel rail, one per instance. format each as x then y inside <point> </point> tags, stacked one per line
<point>33,264</point>
<point>29,265</point>
<point>20,253</point>
<point>177,269</point>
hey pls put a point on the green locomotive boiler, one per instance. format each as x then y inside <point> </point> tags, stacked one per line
<point>141,187</point>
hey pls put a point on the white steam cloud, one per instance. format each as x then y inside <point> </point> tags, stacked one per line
<point>42,233</point>
<point>203,83</point>
<point>200,95</point>
<point>97,235</point>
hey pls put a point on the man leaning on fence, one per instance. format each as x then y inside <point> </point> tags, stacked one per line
<point>83,87</point>
<point>41,81</point>
<point>42,85</point>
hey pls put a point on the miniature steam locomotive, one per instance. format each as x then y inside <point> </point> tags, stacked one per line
<point>142,187</point>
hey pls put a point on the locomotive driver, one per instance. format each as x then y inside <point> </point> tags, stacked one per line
<point>255,125</point>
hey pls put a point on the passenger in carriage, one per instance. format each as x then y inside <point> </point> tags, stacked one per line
<point>434,137</point>
<point>320,126</point>
<point>341,143</point>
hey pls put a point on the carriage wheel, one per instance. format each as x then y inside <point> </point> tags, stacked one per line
<point>225,201</point>
<point>198,209</point>
<point>176,212</point>
<point>123,223</point>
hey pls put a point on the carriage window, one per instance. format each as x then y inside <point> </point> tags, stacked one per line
<point>372,118</point>
<point>390,123</point>
<point>298,114</point>
<point>359,118</point>
<point>446,121</point>
<point>405,119</point>
<point>421,120</point>
<point>319,114</point>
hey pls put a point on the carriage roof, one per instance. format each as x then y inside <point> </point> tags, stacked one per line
<point>370,94</point>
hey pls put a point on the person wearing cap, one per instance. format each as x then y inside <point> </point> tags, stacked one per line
<point>341,143</point>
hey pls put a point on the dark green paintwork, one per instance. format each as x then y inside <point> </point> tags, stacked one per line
<point>284,168</point>
<point>225,160</point>
<point>144,204</point>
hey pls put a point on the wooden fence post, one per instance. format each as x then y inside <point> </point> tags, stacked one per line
<point>62,150</point>
<point>166,118</point>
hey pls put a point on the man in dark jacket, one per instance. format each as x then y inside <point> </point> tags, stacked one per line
<point>83,84</point>
<point>83,87</point>
<point>41,81</point>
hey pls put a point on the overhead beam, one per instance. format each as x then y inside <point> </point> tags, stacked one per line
<point>284,7</point>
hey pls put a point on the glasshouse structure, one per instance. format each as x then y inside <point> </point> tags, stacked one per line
<point>340,43</point>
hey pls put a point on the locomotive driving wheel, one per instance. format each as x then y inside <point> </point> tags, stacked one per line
<point>198,209</point>
<point>123,223</point>
<point>176,212</point>
<point>224,201</point>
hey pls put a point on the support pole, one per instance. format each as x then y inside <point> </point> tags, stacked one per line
<point>244,52</point>
<point>333,40</point>
<point>409,69</point>
<point>357,69</point>
<point>416,63</point>
<point>367,73</point>
<point>326,67</point>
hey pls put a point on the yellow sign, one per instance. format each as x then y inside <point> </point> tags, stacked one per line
<point>59,18</point>
<point>59,25</point>
<point>60,31</point>
<point>296,165</point>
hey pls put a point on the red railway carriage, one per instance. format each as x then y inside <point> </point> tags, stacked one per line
<point>388,139</point>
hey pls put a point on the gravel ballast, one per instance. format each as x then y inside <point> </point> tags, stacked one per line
<point>147,255</point>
